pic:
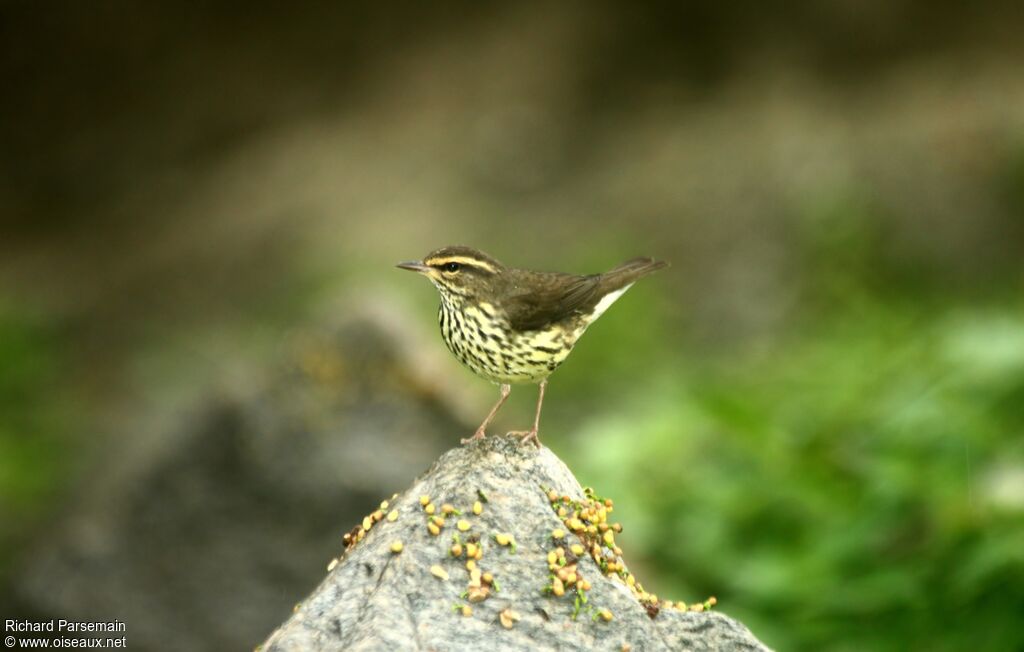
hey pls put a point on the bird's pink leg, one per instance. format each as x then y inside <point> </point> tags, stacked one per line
<point>531,435</point>
<point>506,389</point>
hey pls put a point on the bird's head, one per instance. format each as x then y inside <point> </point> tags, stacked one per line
<point>458,271</point>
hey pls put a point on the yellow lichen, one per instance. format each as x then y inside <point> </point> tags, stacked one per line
<point>439,572</point>
<point>588,520</point>
<point>508,618</point>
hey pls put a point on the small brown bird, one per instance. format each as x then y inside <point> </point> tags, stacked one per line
<point>514,325</point>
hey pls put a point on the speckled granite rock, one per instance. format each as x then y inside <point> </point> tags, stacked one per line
<point>376,599</point>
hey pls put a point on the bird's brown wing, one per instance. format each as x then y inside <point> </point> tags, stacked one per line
<point>550,298</point>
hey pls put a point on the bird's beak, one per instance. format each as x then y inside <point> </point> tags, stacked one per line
<point>414,266</point>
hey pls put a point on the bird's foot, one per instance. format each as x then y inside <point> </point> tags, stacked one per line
<point>479,434</point>
<point>527,435</point>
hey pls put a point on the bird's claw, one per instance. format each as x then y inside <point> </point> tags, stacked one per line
<point>527,435</point>
<point>479,434</point>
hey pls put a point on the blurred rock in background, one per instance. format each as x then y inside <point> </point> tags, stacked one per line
<point>203,541</point>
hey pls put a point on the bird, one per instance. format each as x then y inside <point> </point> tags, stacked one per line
<point>511,325</point>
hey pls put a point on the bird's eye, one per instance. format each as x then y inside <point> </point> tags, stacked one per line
<point>452,267</point>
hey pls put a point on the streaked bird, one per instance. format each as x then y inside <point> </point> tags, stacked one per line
<point>513,325</point>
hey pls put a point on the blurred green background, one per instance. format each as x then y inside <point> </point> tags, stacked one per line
<point>816,414</point>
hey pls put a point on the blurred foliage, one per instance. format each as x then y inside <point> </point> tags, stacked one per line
<point>848,491</point>
<point>33,422</point>
<point>855,483</point>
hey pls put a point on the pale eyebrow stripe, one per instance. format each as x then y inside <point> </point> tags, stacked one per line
<point>462,260</point>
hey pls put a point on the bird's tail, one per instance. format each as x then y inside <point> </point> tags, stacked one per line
<point>629,271</point>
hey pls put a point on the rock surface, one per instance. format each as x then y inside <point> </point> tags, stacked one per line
<point>379,599</point>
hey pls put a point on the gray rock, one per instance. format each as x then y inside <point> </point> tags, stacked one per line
<point>376,599</point>
<point>202,542</point>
